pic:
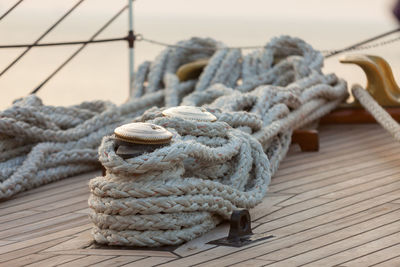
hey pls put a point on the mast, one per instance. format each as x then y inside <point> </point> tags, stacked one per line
<point>131,48</point>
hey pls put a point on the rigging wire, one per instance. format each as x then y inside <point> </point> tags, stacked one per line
<point>41,37</point>
<point>328,53</point>
<point>65,43</point>
<point>359,44</point>
<point>10,9</point>
<point>112,19</point>
<point>139,37</point>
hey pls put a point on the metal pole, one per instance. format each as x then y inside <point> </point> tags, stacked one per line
<point>131,50</point>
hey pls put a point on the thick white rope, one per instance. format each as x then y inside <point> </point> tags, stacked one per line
<point>176,193</point>
<point>380,115</point>
<point>181,191</point>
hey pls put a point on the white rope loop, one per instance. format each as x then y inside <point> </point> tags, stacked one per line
<point>380,115</point>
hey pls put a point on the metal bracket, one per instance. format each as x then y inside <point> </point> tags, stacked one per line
<point>240,233</point>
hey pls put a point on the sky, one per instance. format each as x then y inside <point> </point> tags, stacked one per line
<point>101,70</point>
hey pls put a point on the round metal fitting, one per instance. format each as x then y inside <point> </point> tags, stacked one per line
<point>190,113</point>
<point>143,133</point>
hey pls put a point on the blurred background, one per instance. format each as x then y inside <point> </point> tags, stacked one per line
<point>101,70</point>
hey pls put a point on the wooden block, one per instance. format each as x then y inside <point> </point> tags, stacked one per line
<point>308,140</point>
<point>355,115</point>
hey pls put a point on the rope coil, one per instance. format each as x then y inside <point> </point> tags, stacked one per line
<point>180,191</point>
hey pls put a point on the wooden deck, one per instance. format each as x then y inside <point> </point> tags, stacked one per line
<point>336,207</point>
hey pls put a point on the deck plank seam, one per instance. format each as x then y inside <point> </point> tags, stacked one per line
<point>333,200</point>
<point>360,166</point>
<point>372,252</point>
<point>39,213</point>
<point>351,247</point>
<point>386,150</point>
<point>326,148</point>
<point>286,236</point>
<point>294,160</point>
<point>306,240</point>
<point>79,217</point>
<point>395,257</point>
<point>374,168</point>
<point>341,189</point>
<point>19,198</point>
<point>71,236</point>
<point>339,182</point>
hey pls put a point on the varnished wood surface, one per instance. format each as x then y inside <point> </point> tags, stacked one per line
<point>356,115</point>
<point>336,207</point>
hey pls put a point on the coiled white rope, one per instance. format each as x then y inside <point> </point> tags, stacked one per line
<point>181,191</point>
<point>258,98</point>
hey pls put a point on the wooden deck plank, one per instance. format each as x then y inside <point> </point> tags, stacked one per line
<point>346,182</point>
<point>370,253</point>
<point>4,257</point>
<point>321,242</point>
<point>17,215</point>
<point>307,180</point>
<point>147,262</point>
<point>51,229</point>
<point>25,260</point>
<point>115,252</point>
<point>269,206</point>
<point>118,261</point>
<point>52,260</point>
<point>342,146</point>
<point>62,219</point>
<point>378,151</point>
<point>336,208</point>
<point>28,243</point>
<point>322,255</point>
<point>5,242</point>
<point>33,217</point>
<point>199,244</point>
<point>303,233</point>
<point>287,210</point>
<point>59,187</point>
<point>42,201</point>
<point>328,171</point>
<point>394,261</point>
<point>86,261</point>
<point>327,207</point>
<point>252,263</point>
